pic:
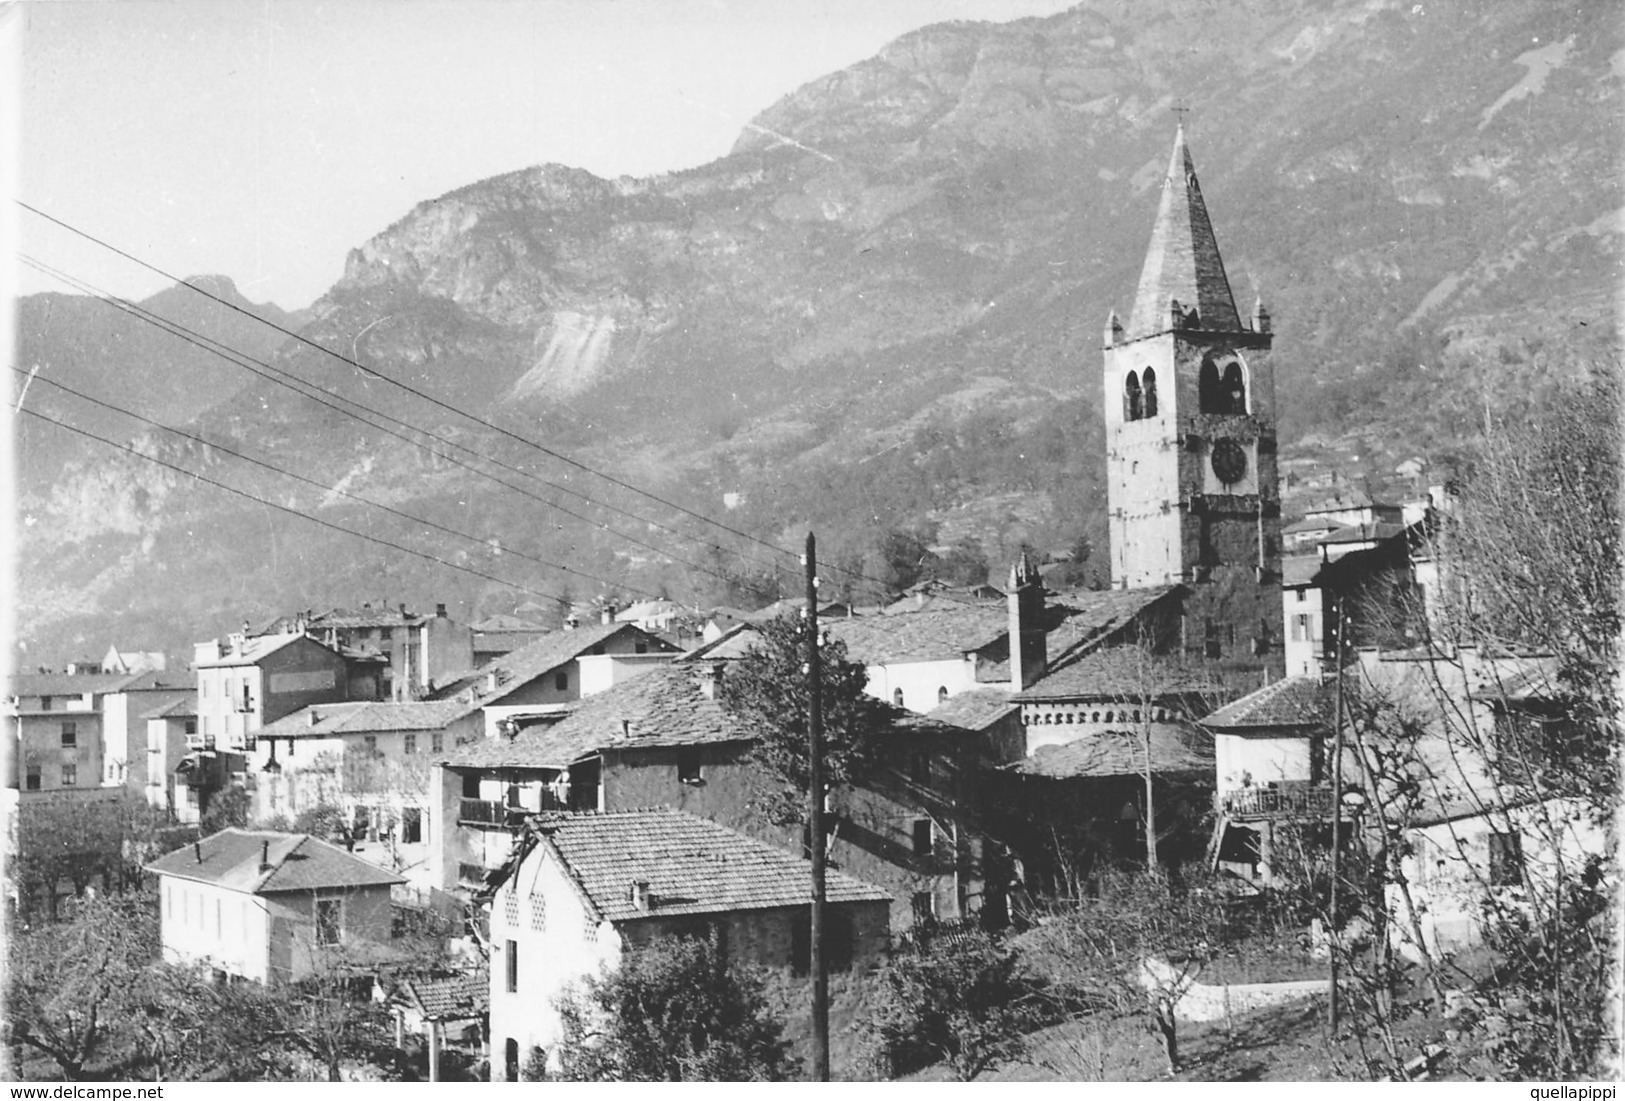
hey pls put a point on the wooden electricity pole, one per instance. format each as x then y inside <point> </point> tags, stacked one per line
<point>1337,813</point>
<point>815,822</point>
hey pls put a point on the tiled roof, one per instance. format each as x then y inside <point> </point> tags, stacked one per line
<point>663,707</point>
<point>950,632</point>
<point>692,866</point>
<point>1312,523</point>
<point>1353,498</point>
<point>365,617</point>
<point>176,709</point>
<point>518,668</point>
<point>732,643</point>
<point>1364,533</point>
<point>66,684</point>
<point>666,706</point>
<point>1299,569</point>
<point>1289,702</point>
<point>1119,753</point>
<point>253,650</point>
<point>1093,617</point>
<point>447,997</point>
<point>297,862</point>
<point>371,717</point>
<point>975,710</point>
<point>1116,673</point>
<point>508,623</point>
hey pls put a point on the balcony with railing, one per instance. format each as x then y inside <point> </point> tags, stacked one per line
<point>1286,799</point>
<point>500,814</point>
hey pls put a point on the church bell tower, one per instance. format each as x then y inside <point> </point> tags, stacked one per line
<point>1190,435</point>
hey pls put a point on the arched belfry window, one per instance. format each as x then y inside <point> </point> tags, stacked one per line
<point>1235,389</point>
<point>1150,396</point>
<point>1133,400</point>
<point>1222,390</point>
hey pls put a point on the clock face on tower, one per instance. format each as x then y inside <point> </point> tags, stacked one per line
<point>1229,461</point>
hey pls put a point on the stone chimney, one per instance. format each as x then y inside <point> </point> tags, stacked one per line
<point>265,856</point>
<point>1114,330</point>
<point>1029,656</point>
<point>403,611</point>
<point>710,678</point>
<point>608,614</point>
<point>572,621</point>
<point>639,895</point>
<point>315,717</point>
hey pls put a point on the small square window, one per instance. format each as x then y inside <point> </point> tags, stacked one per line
<point>191,726</point>
<point>1506,860</point>
<point>922,837</point>
<point>33,780</point>
<point>437,742</point>
<point>70,735</point>
<point>409,744</point>
<point>45,703</point>
<point>640,648</point>
<point>369,742</point>
<point>70,776</point>
<point>385,634</point>
<point>561,681</point>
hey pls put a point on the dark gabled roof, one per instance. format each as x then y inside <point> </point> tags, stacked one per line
<point>67,684</point>
<point>948,632</point>
<point>691,866</point>
<point>297,862</point>
<point>1295,702</point>
<point>662,708</point>
<point>732,643</point>
<point>369,717</point>
<point>350,618</point>
<point>1094,617</point>
<point>1117,673</point>
<point>1312,523</point>
<point>1363,533</point>
<point>1119,753</point>
<point>665,706</point>
<point>1299,569</point>
<point>254,650</point>
<point>509,623</point>
<point>176,709</point>
<point>975,710</point>
<point>518,668</point>
<point>447,997</point>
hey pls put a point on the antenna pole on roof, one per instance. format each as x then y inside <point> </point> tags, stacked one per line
<point>815,822</point>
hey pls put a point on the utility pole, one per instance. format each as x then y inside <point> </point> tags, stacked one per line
<point>815,821</point>
<point>1337,812</point>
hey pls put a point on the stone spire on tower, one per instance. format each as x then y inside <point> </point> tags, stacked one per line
<point>1182,265</point>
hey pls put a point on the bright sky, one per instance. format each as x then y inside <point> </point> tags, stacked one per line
<point>265,140</point>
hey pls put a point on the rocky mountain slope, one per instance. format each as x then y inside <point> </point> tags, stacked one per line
<point>882,310</point>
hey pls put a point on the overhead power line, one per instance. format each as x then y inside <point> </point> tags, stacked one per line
<point>297,385</point>
<point>431,399</point>
<point>129,450</point>
<point>329,489</point>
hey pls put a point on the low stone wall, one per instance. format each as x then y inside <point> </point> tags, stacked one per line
<point>1204,1002</point>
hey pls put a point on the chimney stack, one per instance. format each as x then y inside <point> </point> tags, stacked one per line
<point>710,678</point>
<point>265,856</point>
<point>314,717</point>
<point>403,611</point>
<point>640,895</point>
<point>1028,639</point>
<point>197,850</point>
<point>608,614</point>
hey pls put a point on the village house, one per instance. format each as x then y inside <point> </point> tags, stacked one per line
<point>502,634</point>
<point>171,735</point>
<point>125,758</point>
<point>1272,771</point>
<point>664,739</point>
<point>584,890</point>
<point>448,1009</point>
<point>540,682</point>
<point>244,682</point>
<point>133,661</point>
<point>372,760</point>
<point>270,907</point>
<point>57,722</point>
<point>419,651</point>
